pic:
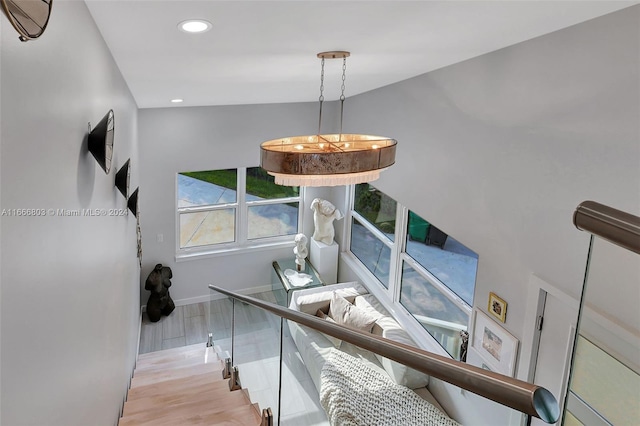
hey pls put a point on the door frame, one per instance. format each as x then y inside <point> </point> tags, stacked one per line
<point>538,290</point>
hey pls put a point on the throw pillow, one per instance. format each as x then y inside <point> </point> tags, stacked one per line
<point>345,313</point>
<point>334,340</point>
<point>309,301</point>
<point>400,373</point>
<point>389,328</point>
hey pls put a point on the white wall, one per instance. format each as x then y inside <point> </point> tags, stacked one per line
<point>70,299</point>
<point>499,150</point>
<point>174,140</point>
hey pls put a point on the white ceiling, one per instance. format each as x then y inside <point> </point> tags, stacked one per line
<point>265,51</point>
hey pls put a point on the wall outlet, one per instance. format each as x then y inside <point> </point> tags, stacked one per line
<point>160,238</point>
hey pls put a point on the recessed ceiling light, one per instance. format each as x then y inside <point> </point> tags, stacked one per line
<point>176,101</point>
<point>195,26</point>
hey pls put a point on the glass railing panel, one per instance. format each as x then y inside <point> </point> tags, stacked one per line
<point>305,357</point>
<point>570,420</point>
<point>605,373</point>
<point>300,403</point>
<point>605,385</point>
<point>219,322</point>
<point>256,351</point>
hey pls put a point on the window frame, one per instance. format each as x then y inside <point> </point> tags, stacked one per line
<point>391,296</point>
<point>380,236</point>
<point>241,242</point>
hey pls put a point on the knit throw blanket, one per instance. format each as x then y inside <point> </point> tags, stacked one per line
<point>354,394</point>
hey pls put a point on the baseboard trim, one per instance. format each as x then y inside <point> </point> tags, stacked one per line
<point>214,296</point>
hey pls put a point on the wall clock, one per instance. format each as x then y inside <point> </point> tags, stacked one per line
<point>28,17</point>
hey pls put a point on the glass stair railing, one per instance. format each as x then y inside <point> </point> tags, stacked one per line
<point>604,385</point>
<point>256,333</point>
<point>271,368</point>
<point>249,341</point>
<point>263,359</point>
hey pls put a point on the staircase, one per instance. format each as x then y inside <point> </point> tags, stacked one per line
<point>185,386</point>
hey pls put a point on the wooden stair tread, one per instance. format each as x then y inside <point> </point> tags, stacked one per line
<point>171,373</point>
<point>163,359</point>
<point>179,385</point>
<point>205,396</point>
<point>239,416</point>
<point>245,416</point>
<point>173,351</point>
<point>201,406</point>
<point>181,366</point>
<point>176,364</point>
<point>184,386</point>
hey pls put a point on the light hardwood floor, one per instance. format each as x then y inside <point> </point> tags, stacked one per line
<point>256,353</point>
<point>185,326</point>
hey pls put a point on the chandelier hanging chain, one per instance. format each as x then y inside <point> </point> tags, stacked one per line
<point>321,98</point>
<point>344,76</point>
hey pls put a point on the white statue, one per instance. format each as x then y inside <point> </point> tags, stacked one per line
<point>301,251</point>
<point>324,213</point>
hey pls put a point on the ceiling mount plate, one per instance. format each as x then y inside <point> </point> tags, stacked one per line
<point>334,54</point>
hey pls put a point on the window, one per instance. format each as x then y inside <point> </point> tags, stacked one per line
<point>374,252</point>
<point>219,209</point>
<point>373,222</point>
<point>435,278</point>
<point>437,282</point>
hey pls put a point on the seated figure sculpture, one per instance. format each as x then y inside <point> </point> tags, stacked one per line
<point>301,251</point>
<point>324,213</point>
<point>160,302</point>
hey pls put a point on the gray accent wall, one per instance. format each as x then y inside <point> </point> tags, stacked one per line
<point>498,151</point>
<point>70,306</point>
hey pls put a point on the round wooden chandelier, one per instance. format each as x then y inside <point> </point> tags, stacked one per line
<point>328,159</point>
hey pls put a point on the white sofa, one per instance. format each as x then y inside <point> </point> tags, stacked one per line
<point>315,347</point>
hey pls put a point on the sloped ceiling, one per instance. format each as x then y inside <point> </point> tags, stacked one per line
<point>265,51</point>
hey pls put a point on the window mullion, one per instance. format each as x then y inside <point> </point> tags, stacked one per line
<point>242,214</point>
<point>396,251</point>
<point>371,228</point>
<point>272,201</point>
<point>300,200</point>
<point>207,208</point>
<point>348,223</point>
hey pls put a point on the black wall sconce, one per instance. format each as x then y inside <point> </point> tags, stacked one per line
<point>133,203</point>
<point>122,179</point>
<point>101,141</point>
<point>28,17</point>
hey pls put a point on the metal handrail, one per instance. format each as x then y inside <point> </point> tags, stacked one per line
<point>526,397</point>
<point>613,225</point>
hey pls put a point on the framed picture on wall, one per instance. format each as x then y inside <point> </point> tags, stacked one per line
<point>474,358</point>
<point>497,307</point>
<point>495,345</point>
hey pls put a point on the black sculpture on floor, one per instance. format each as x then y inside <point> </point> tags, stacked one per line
<point>160,302</point>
